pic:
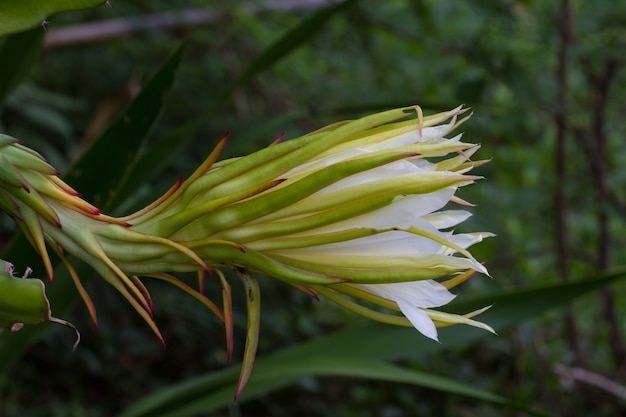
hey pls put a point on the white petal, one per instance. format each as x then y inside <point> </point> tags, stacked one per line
<point>403,212</point>
<point>426,293</point>
<point>465,240</point>
<point>406,211</point>
<point>419,319</point>
<point>447,218</point>
<point>388,244</point>
<point>392,170</point>
<point>410,296</point>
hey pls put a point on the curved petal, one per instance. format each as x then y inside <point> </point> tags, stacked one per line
<point>419,319</point>
<point>448,218</point>
<point>411,297</point>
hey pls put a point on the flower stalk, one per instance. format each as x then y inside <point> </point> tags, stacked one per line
<point>353,211</point>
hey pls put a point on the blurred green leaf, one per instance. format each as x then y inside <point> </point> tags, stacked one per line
<point>20,15</point>
<point>109,160</point>
<point>17,54</point>
<point>355,353</point>
<point>290,41</point>
<point>102,169</point>
<point>216,393</point>
<point>158,157</point>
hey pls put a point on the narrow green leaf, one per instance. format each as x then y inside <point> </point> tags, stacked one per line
<point>509,308</point>
<point>21,15</point>
<point>273,375</point>
<point>356,346</point>
<point>253,302</point>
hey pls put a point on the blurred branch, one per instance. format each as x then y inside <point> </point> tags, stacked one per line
<point>561,119</point>
<point>590,378</point>
<point>562,125</point>
<point>101,31</point>
<point>600,83</point>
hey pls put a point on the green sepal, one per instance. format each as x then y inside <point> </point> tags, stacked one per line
<point>337,298</point>
<point>6,140</point>
<point>272,162</point>
<point>373,270</point>
<point>258,262</point>
<point>336,206</point>
<point>253,303</point>
<point>26,158</point>
<point>278,197</point>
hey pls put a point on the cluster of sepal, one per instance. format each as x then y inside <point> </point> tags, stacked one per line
<point>49,210</point>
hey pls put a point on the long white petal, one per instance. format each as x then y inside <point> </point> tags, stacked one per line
<point>411,297</point>
<point>403,213</point>
<point>447,218</point>
<point>426,293</point>
<point>419,319</point>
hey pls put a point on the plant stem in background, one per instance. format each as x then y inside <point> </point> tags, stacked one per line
<point>600,83</point>
<point>560,198</point>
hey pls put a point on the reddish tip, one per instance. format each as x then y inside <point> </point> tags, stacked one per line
<point>201,280</point>
<point>311,292</point>
<point>148,309</point>
<point>278,139</point>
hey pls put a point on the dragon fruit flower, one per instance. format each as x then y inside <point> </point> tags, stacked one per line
<point>351,211</point>
<point>355,211</point>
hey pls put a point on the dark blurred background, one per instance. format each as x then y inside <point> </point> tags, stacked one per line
<point>546,81</point>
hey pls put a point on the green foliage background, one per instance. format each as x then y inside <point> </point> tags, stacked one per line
<point>260,73</point>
